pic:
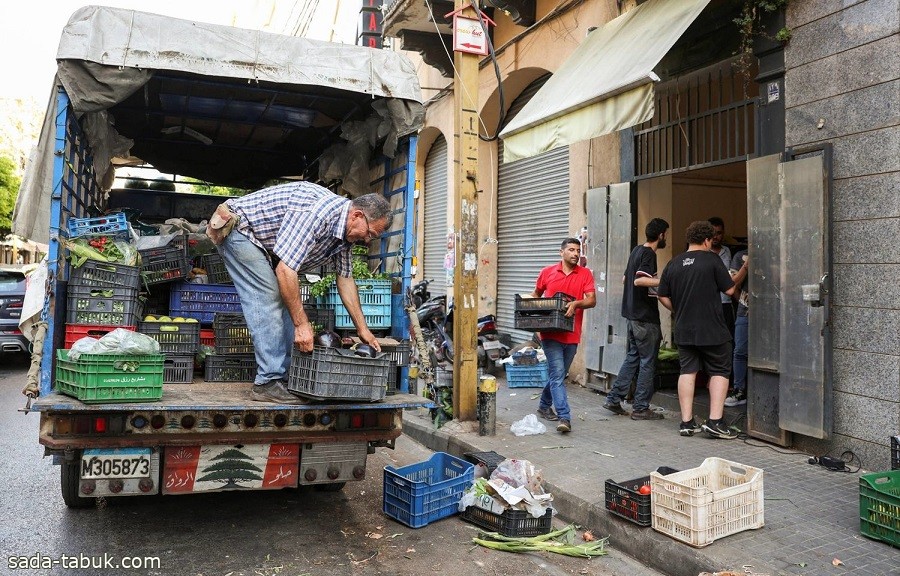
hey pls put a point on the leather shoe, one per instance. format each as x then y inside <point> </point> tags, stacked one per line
<point>547,414</point>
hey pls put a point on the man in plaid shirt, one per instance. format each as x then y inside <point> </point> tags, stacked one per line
<point>304,225</point>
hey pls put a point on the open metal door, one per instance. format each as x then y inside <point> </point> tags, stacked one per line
<point>790,386</point>
<point>619,239</point>
<point>595,319</point>
<point>610,230</point>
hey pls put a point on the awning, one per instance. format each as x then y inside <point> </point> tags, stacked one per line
<point>605,85</point>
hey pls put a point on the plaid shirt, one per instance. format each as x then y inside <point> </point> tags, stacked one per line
<point>300,222</point>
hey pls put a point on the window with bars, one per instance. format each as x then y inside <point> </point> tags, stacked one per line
<point>701,119</point>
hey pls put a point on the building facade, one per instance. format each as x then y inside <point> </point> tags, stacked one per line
<point>797,148</point>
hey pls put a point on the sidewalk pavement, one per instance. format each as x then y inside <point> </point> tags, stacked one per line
<point>811,514</point>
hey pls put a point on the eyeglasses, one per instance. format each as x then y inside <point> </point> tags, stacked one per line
<point>370,234</point>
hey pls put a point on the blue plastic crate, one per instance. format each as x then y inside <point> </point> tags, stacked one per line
<point>202,301</point>
<point>374,297</point>
<point>419,494</point>
<point>114,224</point>
<point>528,376</point>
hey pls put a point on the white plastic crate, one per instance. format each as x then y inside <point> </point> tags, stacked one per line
<point>701,505</point>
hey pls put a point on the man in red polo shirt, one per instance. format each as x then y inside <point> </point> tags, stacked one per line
<point>559,346</point>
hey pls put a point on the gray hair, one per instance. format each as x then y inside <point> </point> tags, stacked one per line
<point>375,207</point>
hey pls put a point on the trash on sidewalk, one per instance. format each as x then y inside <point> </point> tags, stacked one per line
<point>512,502</point>
<point>527,426</point>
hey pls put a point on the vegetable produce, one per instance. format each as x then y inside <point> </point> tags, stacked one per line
<point>360,269</point>
<point>559,542</point>
<point>644,490</point>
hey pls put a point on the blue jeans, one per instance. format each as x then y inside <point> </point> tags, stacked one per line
<point>270,324</point>
<point>739,363</point>
<point>643,347</point>
<point>559,359</point>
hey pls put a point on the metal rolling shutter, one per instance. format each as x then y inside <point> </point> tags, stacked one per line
<point>434,247</point>
<point>532,219</point>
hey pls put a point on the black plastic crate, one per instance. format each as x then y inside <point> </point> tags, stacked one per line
<point>178,370</point>
<point>335,374</point>
<point>512,523</point>
<point>230,368</point>
<point>547,321</point>
<point>104,305</point>
<point>96,273</point>
<point>895,452</point>
<point>232,334</point>
<point>322,319</point>
<point>555,303</point>
<point>490,459</point>
<point>398,353</point>
<point>624,498</point>
<point>165,264</point>
<point>215,269</point>
<point>175,338</point>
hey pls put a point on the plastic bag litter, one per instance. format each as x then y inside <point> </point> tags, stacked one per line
<point>527,426</point>
<point>119,341</point>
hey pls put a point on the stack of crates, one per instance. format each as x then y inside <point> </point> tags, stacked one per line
<point>101,297</point>
<point>178,341</point>
<point>234,360</point>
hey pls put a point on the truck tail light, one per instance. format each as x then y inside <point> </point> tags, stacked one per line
<point>356,420</point>
<point>100,425</point>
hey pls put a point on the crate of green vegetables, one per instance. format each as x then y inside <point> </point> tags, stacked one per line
<point>106,305</point>
<point>104,378</point>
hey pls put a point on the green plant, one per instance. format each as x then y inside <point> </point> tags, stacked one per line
<point>749,24</point>
<point>359,267</point>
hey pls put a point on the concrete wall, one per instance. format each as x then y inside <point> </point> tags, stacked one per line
<point>842,85</point>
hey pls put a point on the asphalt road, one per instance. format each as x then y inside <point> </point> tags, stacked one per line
<point>285,533</point>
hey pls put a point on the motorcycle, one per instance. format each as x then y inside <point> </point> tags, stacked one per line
<point>419,293</point>
<point>492,346</point>
<point>436,324</point>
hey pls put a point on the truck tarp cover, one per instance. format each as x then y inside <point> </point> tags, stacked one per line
<point>107,55</point>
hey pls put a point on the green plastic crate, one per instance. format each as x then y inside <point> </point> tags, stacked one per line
<point>879,506</point>
<point>103,378</point>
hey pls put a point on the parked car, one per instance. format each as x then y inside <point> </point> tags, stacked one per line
<point>12,295</point>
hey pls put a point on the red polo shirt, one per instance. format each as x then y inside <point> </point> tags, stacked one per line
<point>577,283</point>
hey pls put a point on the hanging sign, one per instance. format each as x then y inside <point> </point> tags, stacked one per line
<point>469,36</point>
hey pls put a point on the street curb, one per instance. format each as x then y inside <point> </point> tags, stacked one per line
<point>643,544</point>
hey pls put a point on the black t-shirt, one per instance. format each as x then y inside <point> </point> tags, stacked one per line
<point>736,264</point>
<point>693,280</point>
<point>637,303</point>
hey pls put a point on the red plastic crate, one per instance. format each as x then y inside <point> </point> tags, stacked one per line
<point>75,332</point>
<point>207,337</point>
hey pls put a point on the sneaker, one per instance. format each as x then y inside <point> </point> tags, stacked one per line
<point>646,414</point>
<point>547,414</point>
<point>564,426</point>
<point>689,428</point>
<point>616,408</point>
<point>739,398</point>
<point>275,392</point>
<point>718,429</point>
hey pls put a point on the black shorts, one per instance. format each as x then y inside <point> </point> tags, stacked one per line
<point>714,360</point>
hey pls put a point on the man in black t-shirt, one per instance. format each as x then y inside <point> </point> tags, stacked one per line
<point>690,286</point>
<point>640,308</point>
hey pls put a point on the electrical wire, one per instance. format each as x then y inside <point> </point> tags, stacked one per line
<point>501,116</point>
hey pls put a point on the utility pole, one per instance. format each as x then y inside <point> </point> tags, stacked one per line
<point>465,217</point>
